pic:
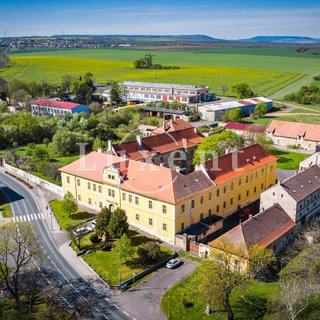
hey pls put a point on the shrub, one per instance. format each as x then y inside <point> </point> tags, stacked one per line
<point>69,203</point>
<point>108,246</point>
<point>149,252</point>
<point>94,238</point>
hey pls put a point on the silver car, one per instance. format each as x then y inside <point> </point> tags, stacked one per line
<point>173,263</point>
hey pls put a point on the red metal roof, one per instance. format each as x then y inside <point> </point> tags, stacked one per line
<point>56,104</point>
<point>236,126</point>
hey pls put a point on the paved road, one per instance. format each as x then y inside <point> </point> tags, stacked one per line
<point>56,269</point>
<point>143,301</point>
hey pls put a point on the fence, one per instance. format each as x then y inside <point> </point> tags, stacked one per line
<point>140,275</point>
<point>30,178</point>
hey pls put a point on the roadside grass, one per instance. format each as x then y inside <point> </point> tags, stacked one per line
<point>51,68</point>
<point>4,205</point>
<point>65,220</point>
<point>184,301</point>
<point>301,111</point>
<point>106,263</point>
<point>288,160</point>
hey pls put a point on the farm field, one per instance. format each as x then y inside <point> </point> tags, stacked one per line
<point>267,70</point>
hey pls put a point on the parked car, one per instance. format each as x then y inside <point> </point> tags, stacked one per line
<point>173,263</point>
<point>84,230</point>
<point>244,213</point>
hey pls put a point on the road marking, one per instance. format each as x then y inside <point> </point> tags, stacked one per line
<point>27,217</point>
<point>107,299</point>
<point>126,313</point>
<point>116,306</point>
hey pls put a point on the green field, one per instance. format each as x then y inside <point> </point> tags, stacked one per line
<point>267,70</point>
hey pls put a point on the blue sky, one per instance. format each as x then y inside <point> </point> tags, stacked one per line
<point>228,19</point>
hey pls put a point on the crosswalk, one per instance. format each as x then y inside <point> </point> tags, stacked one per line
<point>27,217</point>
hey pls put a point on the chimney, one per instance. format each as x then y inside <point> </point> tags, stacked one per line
<point>195,130</point>
<point>109,145</point>
<point>161,164</point>
<point>184,143</point>
<point>227,151</point>
<point>178,169</point>
<point>250,216</point>
<point>100,150</point>
<point>139,139</point>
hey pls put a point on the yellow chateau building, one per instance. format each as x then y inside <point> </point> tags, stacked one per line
<point>164,202</point>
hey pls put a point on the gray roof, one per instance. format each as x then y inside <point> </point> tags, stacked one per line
<point>303,184</point>
<point>160,85</point>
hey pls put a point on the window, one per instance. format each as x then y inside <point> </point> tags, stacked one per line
<point>100,205</point>
<point>201,200</point>
<point>150,222</point>
<point>150,204</point>
<point>281,195</point>
<point>164,226</point>
<point>218,192</point>
<point>111,193</point>
<point>240,181</point>
<point>94,187</point>
<point>239,197</point>
<point>271,168</point>
<point>164,209</point>
<point>224,204</point>
<point>255,189</point>
<point>262,172</point>
<point>68,179</point>
<point>137,217</point>
<point>209,212</point>
<point>130,197</point>
<point>136,200</point>
<point>111,176</point>
<point>210,196</point>
<point>218,208</point>
<point>79,197</point>
<point>224,189</point>
<point>100,189</point>
<point>89,201</point>
<point>89,186</point>
<point>273,193</point>
<point>262,186</point>
<point>192,204</point>
<point>247,179</point>
<point>231,187</point>
<point>251,177</point>
<point>124,197</point>
<point>247,193</point>
<point>231,201</point>
<point>256,174</point>
<point>78,182</point>
<point>183,207</point>
<point>201,216</point>
<point>182,226</point>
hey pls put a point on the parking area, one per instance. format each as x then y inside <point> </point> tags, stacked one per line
<point>143,301</point>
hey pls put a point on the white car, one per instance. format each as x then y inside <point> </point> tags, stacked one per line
<point>84,230</point>
<point>173,263</point>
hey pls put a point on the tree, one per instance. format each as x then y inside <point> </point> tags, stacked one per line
<point>149,252</point>
<point>224,89</point>
<point>18,250</point>
<point>95,107</point>
<point>117,93</point>
<point>22,97</point>
<point>64,142</point>
<point>264,141</point>
<point>40,154</point>
<point>124,248</point>
<point>118,224</point>
<point>4,59</point>
<point>102,223</point>
<point>74,236</point>
<point>69,203</point>
<point>260,110</point>
<point>234,115</point>
<point>217,145</point>
<point>13,156</point>
<point>98,143</point>
<point>227,268</point>
<point>242,90</point>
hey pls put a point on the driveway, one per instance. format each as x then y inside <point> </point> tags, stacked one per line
<point>143,301</point>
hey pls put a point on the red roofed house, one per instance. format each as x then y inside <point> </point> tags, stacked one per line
<point>43,107</point>
<point>272,229</point>
<point>285,133</point>
<point>244,129</point>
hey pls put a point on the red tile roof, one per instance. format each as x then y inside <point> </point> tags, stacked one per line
<point>244,127</point>
<point>294,130</point>
<point>160,143</point>
<point>142,178</point>
<point>56,104</point>
<point>231,165</point>
<point>264,229</point>
<point>173,125</point>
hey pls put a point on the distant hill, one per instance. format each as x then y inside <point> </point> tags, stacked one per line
<point>282,39</point>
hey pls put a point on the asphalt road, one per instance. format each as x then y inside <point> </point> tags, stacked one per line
<point>144,300</point>
<point>57,271</point>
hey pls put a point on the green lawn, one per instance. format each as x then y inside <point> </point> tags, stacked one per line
<point>249,302</point>
<point>267,70</point>
<point>106,263</point>
<point>65,220</point>
<point>5,205</point>
<point>312,119</point>
<point>288,160</point>
<point>302,111</point>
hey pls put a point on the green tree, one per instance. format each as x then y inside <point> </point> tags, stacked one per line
<point>70,203</point>
<point>234,115</point>
<point>118,224</point>
<point>4,59</point>
<point>64,142</point>
<point>149,252</point>
<point>217,145</point>
<point>260,110</point>
<point>227,268</point>
<point>40,154</point>
<point>102,223</point>
<point>117,93</point>
<point>264,141</point>
<point>75,236</point>
<point>124,248</point>
<point>95,107</point>
<point>98,143</point>
<point>242,90</point>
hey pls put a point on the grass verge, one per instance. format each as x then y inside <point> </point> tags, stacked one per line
<point>5,205</point>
